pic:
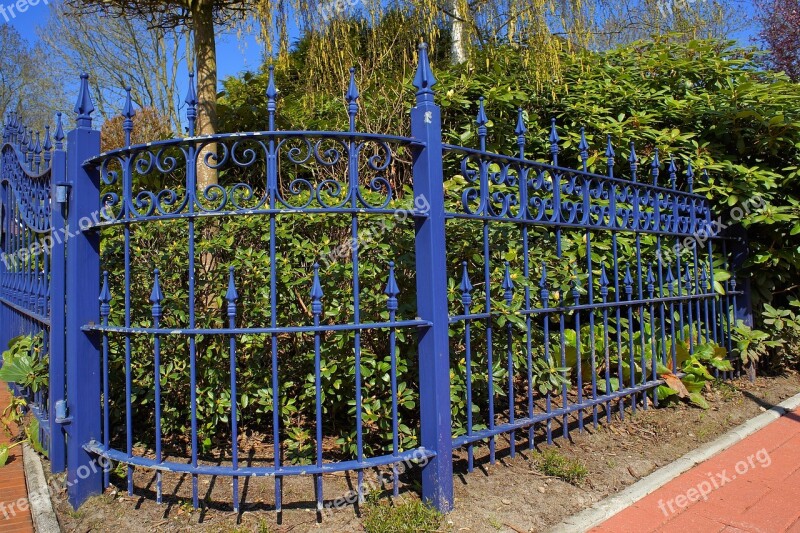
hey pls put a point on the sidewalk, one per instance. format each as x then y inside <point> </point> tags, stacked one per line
<point>15,516</point>
<point>753,486</point>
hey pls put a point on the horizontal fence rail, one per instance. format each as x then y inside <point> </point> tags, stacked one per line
<point>345,302</point>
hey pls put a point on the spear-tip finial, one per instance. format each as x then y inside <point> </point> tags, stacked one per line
<point>521,129</point>
<point>352,89</point>
<point>84,107</point>
<point>127,109</point>
<point>508,285</point>
<point>392,290</point>
<point>105,297</point>
<point>191,93</point>
<point>232,295</point>
<point>610,149</point>
<point>316,292</point>
<point>554,138</point>
<point>466,286</point>
<point>583,145</point>
<point>424,79</point>
<point>59,133</point>
<point>655,165</point>
<point>48,143</point>
<point>272,92</point>
<point>481,120</point>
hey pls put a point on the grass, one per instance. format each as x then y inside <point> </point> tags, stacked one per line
<point>552,463</point>
<point>405,516</point>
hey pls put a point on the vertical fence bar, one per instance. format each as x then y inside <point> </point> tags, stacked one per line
<point>82,299</point>
<point>431,262</point>
<point>57,383</point>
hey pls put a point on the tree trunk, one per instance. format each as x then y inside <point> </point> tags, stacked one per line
<point>205,50</point>
<point>458,33</point>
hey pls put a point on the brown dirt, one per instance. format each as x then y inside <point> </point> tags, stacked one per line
<point>511,495</point>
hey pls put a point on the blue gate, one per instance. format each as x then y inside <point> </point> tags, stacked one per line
<point>32,263</point>
<point>503,310</point>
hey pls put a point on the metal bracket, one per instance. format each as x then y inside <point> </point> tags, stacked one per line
<point>62,192</point>
<point>61,413</point>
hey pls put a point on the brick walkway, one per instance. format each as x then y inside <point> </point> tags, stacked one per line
<point>13,519</point>
<point>753,486</point>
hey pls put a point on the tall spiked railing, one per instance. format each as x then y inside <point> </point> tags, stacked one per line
<point>623,311</point>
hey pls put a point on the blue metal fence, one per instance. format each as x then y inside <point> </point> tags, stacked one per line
<point>546,297</point>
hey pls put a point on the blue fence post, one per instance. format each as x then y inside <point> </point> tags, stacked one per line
<point>57,385</point>
<point>84,475</point>
<point>434,355</point>
<point>739,252</point>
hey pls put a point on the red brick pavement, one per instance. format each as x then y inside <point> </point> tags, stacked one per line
<point>753,486</point>
<point>15,517</point>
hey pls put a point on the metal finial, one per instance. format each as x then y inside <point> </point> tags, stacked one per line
<point>84,107</point>
<point>554,138</point>
<point>231,295</point>
<point>610,155</point>
<point>191,104</point>
<point>628,281</point>
<point>424,79</point>
<point>633,161</point>
<point>48,143</point>
<point>316,292</point>
<point>545,294</point>
<point>508,285</point>
<point>128,113</point>
<point>105,297</point>
<point>272,95</point>
<point>466,287</point>
<point>603,281</point>
<point>59,136</point>
<point>654,167</point>
<point>156,296</point>
<point>670,280</point>
<point>392,290</point>
<point>352,98</point>
<point>673,172</point>
<point>481,120</point>
<point>521,130</point>
<point>576,288</point>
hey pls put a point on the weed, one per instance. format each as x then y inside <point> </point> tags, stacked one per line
<point>552,463</point>
<point>408,516</point>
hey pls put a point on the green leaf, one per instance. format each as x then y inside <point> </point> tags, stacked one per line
<point>697,399</point>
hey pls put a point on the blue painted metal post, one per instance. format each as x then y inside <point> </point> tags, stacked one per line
<point>58,265</point>
<point>83,295</point>
<point>739,252</point>
<point>434,364</point>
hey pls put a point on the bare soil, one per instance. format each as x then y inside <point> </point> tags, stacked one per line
<point>511,495</point>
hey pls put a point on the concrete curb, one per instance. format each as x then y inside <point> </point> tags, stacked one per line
<point>44,517</point>
<point>605,509</point>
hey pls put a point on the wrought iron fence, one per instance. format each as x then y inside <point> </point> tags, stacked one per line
<point>513,293</point>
